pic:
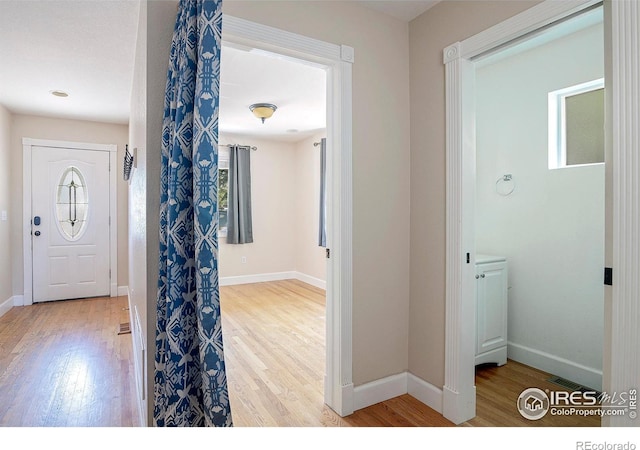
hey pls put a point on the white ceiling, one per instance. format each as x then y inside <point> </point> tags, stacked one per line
<point>298,90</point>
<point>87,48</point>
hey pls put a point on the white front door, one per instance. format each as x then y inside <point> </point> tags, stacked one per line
<point>70,223</point>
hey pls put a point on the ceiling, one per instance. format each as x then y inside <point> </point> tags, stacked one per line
<point>87,48</point>
<point>250,76</point>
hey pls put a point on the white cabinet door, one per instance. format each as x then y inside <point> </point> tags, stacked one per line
<point>70,223</point>
<point>491,306</point>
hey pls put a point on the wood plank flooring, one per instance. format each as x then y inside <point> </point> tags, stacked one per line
<point>274,354</point>
<point>498,388</point>
<point>63,364</point>
<point>274,347</point>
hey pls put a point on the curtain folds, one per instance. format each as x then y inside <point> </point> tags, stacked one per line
<point>239,222</point>
<point>190,385</point>
<point>322,226</point>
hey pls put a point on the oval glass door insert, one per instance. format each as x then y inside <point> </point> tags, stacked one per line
<point>72,203</point>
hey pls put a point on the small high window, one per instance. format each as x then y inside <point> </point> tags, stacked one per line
<point>576,125</point>
<point>72,204</point>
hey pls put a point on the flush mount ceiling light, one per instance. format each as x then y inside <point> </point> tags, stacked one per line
<point>263,110</point>
<point>58,93</point>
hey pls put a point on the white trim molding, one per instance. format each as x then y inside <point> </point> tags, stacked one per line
<point>459,390</point>
<point>16,300</point>
<point>256,278</point>
<point>395,385</point>
<point>27,146</point>
<point>586,376</point>
<point>379,390</point>
<point>625,82</point>
<point>274,276</point>
<point>6,306</point>
<point>313,281</point>
<point>426,392</point>
<point>337,60</point>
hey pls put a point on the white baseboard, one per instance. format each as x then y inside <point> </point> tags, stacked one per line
<point>276,276</point>
<point>6,306</point>
<point>395,385</point>
<point>458,407</point>
<point>426,392</point>
<point>123,291</point>
<point>139,363</point>
<point>313,281</point>
<point>587,376</point>
<point>257,278</point>
<point>379,390</point>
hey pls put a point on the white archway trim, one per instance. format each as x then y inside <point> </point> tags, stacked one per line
<point>625,336</point>
<point>27,147</point>
<point>459,390</point>
<point>337,60</point>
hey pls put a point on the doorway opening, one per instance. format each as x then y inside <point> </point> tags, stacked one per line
<point>619,368</point>
<point>337,61</point>
<point>273,283</point>
<point>540,208</point>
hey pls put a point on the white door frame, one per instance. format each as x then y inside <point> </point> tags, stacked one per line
<point>338,61</point>
<point>27,148</point>
<point>621,345</point>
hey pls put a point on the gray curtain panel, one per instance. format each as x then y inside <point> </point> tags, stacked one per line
<point>239,226</point>
<point>322,230</point>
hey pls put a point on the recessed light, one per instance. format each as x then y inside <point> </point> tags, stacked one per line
<point>292,130</point>
<point>59,93</point>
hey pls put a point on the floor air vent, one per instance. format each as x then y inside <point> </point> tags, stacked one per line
<point>570,384</point>
<point>124,328</point>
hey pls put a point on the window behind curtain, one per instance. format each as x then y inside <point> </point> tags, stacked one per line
<point>223,190</point>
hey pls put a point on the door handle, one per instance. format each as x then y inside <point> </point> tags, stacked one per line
<point>37,233</point>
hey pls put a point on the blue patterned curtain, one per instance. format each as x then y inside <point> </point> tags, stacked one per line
<point>190,380</point>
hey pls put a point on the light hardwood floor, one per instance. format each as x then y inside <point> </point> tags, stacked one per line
<point>274,346</point>
<point>274,351</point>
<point>63,364</point>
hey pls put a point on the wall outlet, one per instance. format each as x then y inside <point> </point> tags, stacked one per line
<point>3,215</point>
<point>243,260</point>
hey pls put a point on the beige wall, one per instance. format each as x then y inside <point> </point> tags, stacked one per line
<point>273,214</point>
<point>285,189</point>
<point>138,299</point>
<point>155,29</point>
<point>24,126</point>
<point>444,24</point>
<point>310,257</point>
<point>6,266</point>
<point>381,132</point>
<point>380,167</point>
